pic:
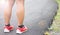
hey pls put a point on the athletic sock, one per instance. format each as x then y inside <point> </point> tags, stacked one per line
<point>7,25</point>
<point>21,26</point>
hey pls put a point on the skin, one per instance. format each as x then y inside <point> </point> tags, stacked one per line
<point>19,11</point>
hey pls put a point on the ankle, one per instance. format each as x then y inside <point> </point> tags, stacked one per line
<point>20,26</point>
<point>7,25</point>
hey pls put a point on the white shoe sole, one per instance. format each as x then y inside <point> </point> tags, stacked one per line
<point>18,32</point>
<point>6,30</point>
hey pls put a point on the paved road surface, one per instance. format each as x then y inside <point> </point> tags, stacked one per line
<point>38,16</point>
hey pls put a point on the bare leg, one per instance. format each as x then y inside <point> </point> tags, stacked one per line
<point>20,15</point>
<point>8,10</point>
<point>20,11</point>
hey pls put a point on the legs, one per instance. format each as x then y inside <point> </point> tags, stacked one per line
<point>7,15</point>
<point>20,16</point>
<point>8,10</point>
<point>20,11</point>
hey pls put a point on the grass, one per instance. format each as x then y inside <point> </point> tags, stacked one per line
<point>56,23</point>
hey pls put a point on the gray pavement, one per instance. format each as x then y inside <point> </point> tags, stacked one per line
<point>38,17</point>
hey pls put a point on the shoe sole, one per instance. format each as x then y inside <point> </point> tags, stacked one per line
<point>7,31</point>
<point>20,32</point>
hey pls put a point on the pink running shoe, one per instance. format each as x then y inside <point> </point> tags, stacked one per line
<point>8,28</point>
<point>21,30</point>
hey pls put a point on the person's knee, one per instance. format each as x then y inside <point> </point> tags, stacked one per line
<point>19,1</point>
<point>10,2</point>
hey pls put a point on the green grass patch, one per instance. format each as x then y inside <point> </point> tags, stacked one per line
<point>56,23</point>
